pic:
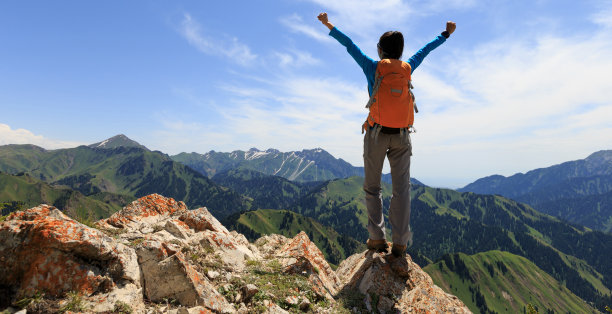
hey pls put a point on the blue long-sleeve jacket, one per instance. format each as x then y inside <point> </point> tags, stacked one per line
<point>369,66</point>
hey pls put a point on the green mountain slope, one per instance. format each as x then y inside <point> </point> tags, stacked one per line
<point>19,158</point>
<point>254,224</point>
<point>599,217</point>
<point>340,204</point>
<point>130,171</point>
<point>502,282</point>
<point>472,223</point>
<point>584,201</point>
<point>267,191</point>
<point>27,192</point>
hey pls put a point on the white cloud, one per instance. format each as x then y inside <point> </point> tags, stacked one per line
<point>228,47</point>
<point>364,17</point>
<point>23,136</point>
<point>295,59</point>
<point>514,106</point>
<point>296,24</point>
<point>369,18</point>
<point>293,113</point>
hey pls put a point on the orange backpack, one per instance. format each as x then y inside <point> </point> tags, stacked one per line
<point>392,102</point>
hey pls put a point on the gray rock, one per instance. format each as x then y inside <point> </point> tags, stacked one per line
<point>212,274</point>
<point>248,292</point>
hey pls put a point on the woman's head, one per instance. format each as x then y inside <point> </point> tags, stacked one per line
<point>391,45</point>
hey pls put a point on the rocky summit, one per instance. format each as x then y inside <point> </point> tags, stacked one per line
<point>157,256</point>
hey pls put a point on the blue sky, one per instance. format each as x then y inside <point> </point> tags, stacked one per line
<point>520,84</point>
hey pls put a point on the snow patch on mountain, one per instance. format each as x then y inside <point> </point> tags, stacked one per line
<point>102,144</point>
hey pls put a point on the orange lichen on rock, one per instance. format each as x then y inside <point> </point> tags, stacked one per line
<point>57,273</point>
<point>222,242</point>
<point>45,250</point>
<point>305,257</point>
<point>145,207</point>
<point>201,219</point>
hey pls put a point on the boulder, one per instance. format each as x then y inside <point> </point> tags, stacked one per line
<point>302,256</point>
<point>412,290</point>
<point>41,249</point>
<point>142,214</point>
<point>181,282</point>
<point>165,220</point>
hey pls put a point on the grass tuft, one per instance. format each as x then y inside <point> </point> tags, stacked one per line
<point>122,308</point>
<point>75,303</point>
<point>23,303</point>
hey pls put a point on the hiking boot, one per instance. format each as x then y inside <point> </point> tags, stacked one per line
<point>378,245</point>
<point>398,250</point>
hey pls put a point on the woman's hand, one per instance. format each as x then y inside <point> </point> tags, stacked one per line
<point>323,18</point>
<point>450,26</point>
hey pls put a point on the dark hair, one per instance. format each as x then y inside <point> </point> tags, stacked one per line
<point>392,45</point>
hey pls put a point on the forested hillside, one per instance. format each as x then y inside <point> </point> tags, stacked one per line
<point>502,282</point>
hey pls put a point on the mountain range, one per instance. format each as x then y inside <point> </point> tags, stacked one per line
<point>110,173</point>
<point>578,191</point>
<point>130,171</point>
<point>307,165</point>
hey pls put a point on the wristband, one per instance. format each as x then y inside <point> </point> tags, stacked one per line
<point>445,34</point>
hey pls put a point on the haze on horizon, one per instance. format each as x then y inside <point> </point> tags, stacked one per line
<point>520,85</point>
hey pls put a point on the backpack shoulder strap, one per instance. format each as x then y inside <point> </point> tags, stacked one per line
<point>379,77</point>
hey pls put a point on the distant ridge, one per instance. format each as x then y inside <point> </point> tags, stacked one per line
<point>117,141</point>
<point>306,165</point>
<point>586,184</point>
<point>597,164</point>
<point>302,166</point>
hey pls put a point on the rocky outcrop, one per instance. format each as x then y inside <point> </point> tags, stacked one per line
<point>43,250</point>
<point>397,284</point>
<point>156,255</point>
<point>301,256</point>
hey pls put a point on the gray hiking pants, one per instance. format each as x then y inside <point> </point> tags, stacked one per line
<point>398,150</point>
